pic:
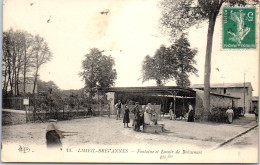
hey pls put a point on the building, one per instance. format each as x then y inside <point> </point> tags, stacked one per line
<point>243,91</point>
<point>28,86</point>
<point>158,96</point>
<point>163,95</point>
<point>255,101</point>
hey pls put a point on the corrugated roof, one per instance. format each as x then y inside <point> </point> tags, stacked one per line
<point>224,85</point>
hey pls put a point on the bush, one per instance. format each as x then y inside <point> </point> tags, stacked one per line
<point>219,114</point>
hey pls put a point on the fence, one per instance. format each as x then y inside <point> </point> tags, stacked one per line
<point>13,103</point>
<point>41,109</point>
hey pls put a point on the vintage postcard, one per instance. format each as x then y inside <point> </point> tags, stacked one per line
<point>130,81</point>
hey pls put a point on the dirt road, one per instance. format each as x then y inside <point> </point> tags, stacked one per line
<point>108,131</point>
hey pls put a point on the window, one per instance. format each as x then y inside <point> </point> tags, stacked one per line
<point>225,90</point>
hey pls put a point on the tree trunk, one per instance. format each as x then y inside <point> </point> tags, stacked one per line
<point>24,71</point>
<point>206,99</point>
<point>17,82</point>
<point>34,95</point>
<point>35,81</point>
<point>5,80</point>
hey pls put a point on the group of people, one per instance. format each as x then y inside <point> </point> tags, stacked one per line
<point>141,118</point>
<point>190,114</point>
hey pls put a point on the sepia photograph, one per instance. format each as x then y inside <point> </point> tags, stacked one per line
<point>130,81</point>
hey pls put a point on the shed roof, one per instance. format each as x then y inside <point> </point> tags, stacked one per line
<point>161,90</point>
<point>224,85</point>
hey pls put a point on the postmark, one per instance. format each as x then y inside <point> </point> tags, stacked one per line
<point>239,28</point>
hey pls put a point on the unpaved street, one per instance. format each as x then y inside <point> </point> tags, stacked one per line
<point>248,140</point>
<point>108,131</point>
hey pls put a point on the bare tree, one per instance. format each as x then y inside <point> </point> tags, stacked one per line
<point>41,55</point>
<point>18,52</point>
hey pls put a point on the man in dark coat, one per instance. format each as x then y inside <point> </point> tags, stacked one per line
<point>126,119</point>
<point>53,134</point>
<point>137,117</point>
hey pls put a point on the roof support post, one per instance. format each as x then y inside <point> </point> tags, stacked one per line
<point>174,103</point>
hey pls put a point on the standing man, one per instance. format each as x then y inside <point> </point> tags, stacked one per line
<point>256,114</point>
<point>118,109</point>
<point>230,115</point>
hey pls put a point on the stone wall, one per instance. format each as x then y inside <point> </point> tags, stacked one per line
<point>215,101</point>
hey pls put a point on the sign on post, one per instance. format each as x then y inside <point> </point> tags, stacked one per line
<point>26,101</point>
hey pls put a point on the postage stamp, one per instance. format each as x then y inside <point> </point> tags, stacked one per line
<point>239,28</point>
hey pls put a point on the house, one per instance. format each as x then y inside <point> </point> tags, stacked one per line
<point>29,83</point>
<point>243,91</point>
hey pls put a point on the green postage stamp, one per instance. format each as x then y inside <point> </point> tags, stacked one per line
<point>239,28</point>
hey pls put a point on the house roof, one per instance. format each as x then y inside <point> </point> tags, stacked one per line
<point>155,90</point>
<point>216,94</point>
<point>224,85</point>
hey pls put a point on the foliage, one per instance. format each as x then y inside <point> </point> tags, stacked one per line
<point>219,114</point>
<point>174,62</point>
<point>42,55</point>
<point>98,72</point>
<point>23,53</point>
<point>157,67</point>
<point>185,61</point>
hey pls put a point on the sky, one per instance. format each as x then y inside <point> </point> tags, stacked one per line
<point>129,32</point>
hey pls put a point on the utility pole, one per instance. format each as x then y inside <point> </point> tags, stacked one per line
<point>244,93</point>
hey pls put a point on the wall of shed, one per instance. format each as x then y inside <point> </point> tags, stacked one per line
<point>238,92</point>
<point>215,101</point>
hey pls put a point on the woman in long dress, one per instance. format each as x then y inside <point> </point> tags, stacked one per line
<point>191,114</point>
<point>147,114</point>
<point>230,115</point>
<point>171,111</point>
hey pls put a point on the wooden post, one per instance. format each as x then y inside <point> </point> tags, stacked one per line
<point>183,108</point>
<point>26,115</point>
<point>174,101</point>
<point>63,111</point>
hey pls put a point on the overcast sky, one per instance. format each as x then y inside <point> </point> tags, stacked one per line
<point>129,32</point>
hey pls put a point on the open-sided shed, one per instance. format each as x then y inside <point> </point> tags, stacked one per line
<point>159,95</point>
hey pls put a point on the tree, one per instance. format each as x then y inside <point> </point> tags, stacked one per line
<point>175,62</point>
<point>178,16</point>
<point>12,60</point>
<point>98,71</point>
<point>185,57</point>
<point>22,52</point>
<point>155,68</point>
<point>41,55</point>
<point>27,57</point>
